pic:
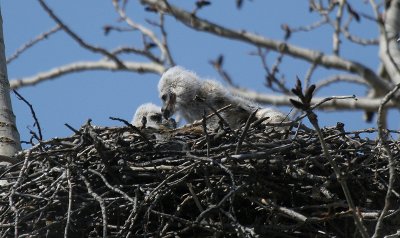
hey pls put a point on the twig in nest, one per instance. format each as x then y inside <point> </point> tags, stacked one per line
<point>204,124</point>
<point>213,110</point>
<point>72,129</point>
<point>304,104</point>
<point>143,136</point>
<point>246,128</point>
<point>101,202</point>
<point>391,162</point>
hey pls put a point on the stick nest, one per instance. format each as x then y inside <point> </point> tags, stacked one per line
<point>125,182</point>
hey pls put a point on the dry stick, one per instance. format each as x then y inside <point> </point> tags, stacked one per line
<point>100,200</point>
<point>223,74</point>
<point>170,177</point>
<point>32,112</point>
<point>313,120</point>
<point>69,199</point>
<point>391,162</point>
<point>246,128</point>
<point>322,102</point>
<point>337,24</point>
<point>204,124</point>
<point>115,189</point>
<point>245,231</point>
<point>284,89</point>
<point>142,52</point>
<point>144,30</point>
<point>32,43</point>
<point>178,209</point>
<point>194,196</point>
<point>165,40</point>
<point>72,129</point>
<point>196,123</point>
<point>12,192</point>
<point>309,74</point>
<point>288,212</point>
<point>220,203</point>
<point>324,20</point>
<point>362,103</point>
<point>143,136</point>
<point>356,39</point>
<point>339,78</point>
<point>215,112</point>
<point>78,39</point>
<point>140,67</point>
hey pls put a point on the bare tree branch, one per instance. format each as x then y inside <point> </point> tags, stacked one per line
<point>340,78</point>
<point>145,31</point>
<point>143,52</point>
<point>86,66</point>
<point>356,39</point>
<point>328,61</point>
<point>78,39</point>
<point>389,31</point>
<point>313,26</point>
<point>337,24</point>
<point>32,43</point>
<point>284,100</point>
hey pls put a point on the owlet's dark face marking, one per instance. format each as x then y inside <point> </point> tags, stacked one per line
<point>169,101</point>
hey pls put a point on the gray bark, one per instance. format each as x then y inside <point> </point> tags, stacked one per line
<point>9,136</point>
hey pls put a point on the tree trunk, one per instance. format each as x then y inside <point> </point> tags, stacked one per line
<point>9,136</point>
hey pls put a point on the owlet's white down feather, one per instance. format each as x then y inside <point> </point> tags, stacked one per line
<point>183,92</point>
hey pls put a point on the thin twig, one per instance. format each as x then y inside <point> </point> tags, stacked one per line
<point>134,128</point>
<point>391,163</point>
<point>339,176</point>
<point>67,224</point>
<point>100,200</point>
<point>20,97</point>
<point>337,26</point>
<point>32,42</point>
<point>145,31</point>
<point>77,38</point>
<point>246,128</point>
<point>204,124</point>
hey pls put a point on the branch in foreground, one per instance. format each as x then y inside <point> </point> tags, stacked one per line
<point>312,117</point>
<point>86,66</point>
<point>391,164</point>
<point>328,61</point>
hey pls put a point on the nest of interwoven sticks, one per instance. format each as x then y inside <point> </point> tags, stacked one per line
<point>127,182</point>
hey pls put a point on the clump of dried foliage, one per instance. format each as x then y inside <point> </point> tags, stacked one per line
<point>125,182</point>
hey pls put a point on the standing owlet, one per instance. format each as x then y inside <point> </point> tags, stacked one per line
<point>183,92</point>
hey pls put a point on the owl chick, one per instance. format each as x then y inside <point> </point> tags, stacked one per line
<point>273,115</point>
<point>182,91</point>
<point>149,115</point>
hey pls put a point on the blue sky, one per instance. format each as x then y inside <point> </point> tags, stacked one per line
<point>98,95</point>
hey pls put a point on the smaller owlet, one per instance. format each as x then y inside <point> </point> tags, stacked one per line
<point>149,116</point>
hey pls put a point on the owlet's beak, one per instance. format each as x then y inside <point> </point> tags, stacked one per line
<point>168,109</point>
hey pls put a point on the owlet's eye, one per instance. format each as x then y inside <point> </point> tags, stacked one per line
<point>156,118</point>
<point>164,97</point>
